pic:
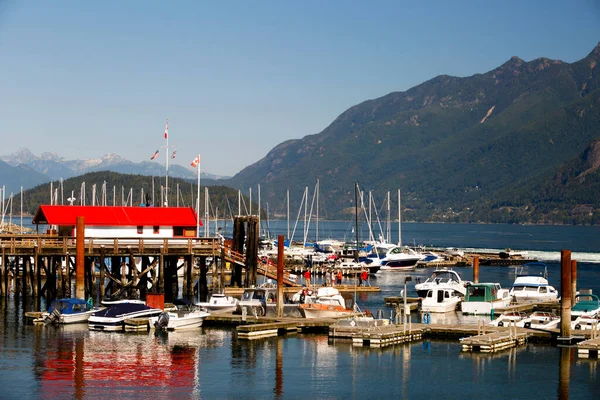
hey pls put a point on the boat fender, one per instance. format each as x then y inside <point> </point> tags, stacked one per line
<point>90,302</point>
<point>426,318</point>
<point>500,323</point>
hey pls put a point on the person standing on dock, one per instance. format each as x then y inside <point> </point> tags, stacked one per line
<point>332,278</point>
<point>339,277</point>
<point>327,277</point>
<point>307,278</point>
<point>364,276</point>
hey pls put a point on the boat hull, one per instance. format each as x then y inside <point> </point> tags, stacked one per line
<point>112,324</point>
<point>446,306</point>
<point>483,307</point>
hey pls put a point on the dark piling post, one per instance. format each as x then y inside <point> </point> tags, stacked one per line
<point>202,283</point>
<point>564,373</point>
<point>565,302</point>
<point>80,258</point>
<point>4,274</point>
<point>37,287</point>
<point>280,276</point>
<point>252,251</point>
<point>102,271</point>
<point>25,285</point>
<point>161,271</point>
<point>573,281</point>
<point>476,269</point>
<point>189,264</point>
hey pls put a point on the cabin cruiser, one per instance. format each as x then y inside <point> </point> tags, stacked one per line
<point>528,288</point>
<point>69,311</point>
<point>508,319</point>
<point>331,305</point>
<point>484,298</point>
<point>186,316</point>
<point>218,302</point>
<point>444,279</point>
<point>113,318</point>
<point>400,259</point>
<point>454,252</point>
<point>440,300</point>
<point>540,320</point>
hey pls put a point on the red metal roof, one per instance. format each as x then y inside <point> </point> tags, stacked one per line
<point>116,216</point>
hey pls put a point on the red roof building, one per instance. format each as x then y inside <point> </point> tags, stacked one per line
<point>117,221</point>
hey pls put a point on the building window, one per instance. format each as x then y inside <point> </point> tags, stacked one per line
<point>177,231</point>
<point>155,229</point>
<point>140,229</point>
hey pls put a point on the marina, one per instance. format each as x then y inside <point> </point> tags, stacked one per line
<point>390,336</point>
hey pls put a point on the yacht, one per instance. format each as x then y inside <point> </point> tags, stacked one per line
<point>331,305</point>
<point>484,298</point>
<point>528,288</point>
<point>182,318</point>
<point>440,300</point>
<point>444,279</point>
<point>400,259</point>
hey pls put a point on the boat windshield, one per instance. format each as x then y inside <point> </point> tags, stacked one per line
<point>442,277</point>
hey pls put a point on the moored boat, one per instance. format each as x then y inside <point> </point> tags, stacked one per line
<point>528,288</point>
<point>112,318</point>
<point>328,306</point>
<point>586,323</point>
<point>508,319</point>
<point>69,311</point>
<point>586,305</point>
<point>443,279</point>
<point>440,300</point>
<point>179,319</point>
<point>540,320</point>
<point>219,302</point>
<point>484,298</point>
<point>400,259</point>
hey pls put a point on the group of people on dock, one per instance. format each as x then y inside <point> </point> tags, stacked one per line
<point>332,277</point>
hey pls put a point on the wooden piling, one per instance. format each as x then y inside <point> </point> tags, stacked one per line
<point>476,269</point>
<point>80,258</point>
<point>573,281</point>
<point>25,263</point>
<point>102,272</point>
<point>4,274</point>
<point>37,277</point>
<point>189,263</point>
<point>280,251</point>
<point>161,272</point>
<point>565,288</point>
<point>202,282</point>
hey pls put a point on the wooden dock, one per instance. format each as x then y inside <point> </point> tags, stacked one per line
<point>380,335</point>
<point>548,305</point>
<point>494,341</point>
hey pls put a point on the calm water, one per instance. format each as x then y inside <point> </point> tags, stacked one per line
<point>71,362</point>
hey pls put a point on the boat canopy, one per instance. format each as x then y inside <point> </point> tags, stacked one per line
<point>67,306</point>
<point>481,292</point>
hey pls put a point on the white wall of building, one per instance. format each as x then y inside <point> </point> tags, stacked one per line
<point>126,232</point>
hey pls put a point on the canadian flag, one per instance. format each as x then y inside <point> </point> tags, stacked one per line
<point>196,161</point>
<point>167,130</point>
<point>154,156</point>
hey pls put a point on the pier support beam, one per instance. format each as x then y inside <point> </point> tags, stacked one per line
<point>80,258</point>
<point>280,275</point>
<point>476,269</point>
<point>252,251</point>
<point>573,281</point>
<point>102,271</point>
<point>565,302</point>
<point>4,274</point>
<point>202,283</point>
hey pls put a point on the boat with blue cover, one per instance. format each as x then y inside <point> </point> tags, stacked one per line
<point>113,318</point>
<point>69,311</point>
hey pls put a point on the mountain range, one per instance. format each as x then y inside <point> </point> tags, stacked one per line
<point>522,136</point>
<point>30,170</point>
<point>517,144</point>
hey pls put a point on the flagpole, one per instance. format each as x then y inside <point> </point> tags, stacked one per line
<point>198,201</point>
<point>167,167</point>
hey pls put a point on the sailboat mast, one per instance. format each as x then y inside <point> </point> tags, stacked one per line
<point>356,219</point>
<point>288,213</point>
<point>166,204</point>
<point>197,199</point>
<point>399,220</point>
<point>317,226</point>
<point>389,226</point>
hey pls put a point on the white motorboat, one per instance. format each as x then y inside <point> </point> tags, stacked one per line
<point>262,301</point>
<point>68,311</point>
<point>400,259</point>
<point>586,323</point>
<point>440,300</point>
<point>529,288</point>
<point>332,305</point>
<point>540,320</point>
<point>442,279</point>
<point>186,318</point>
<point>113,318</point>
<point>218,302</point>
<point>483,298</point>
<point>454,252</point>
<point>109,302</point>
<point>508,319</point>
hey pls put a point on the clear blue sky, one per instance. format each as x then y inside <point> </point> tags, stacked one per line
<point>236,78</point>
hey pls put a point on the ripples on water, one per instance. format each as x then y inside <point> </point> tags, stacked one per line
<point>71,362</point>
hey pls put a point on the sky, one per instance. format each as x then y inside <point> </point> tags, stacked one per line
<point>236,78</point>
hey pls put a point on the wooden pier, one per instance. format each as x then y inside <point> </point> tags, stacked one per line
<point>589,348</point>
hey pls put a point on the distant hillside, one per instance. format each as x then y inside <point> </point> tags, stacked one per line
<point>455,145</point>
<point>120,188</point>
<point>15,177</point>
